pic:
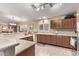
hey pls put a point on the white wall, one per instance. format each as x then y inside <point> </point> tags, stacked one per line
<point>78,31</point>
<point>23,27</point>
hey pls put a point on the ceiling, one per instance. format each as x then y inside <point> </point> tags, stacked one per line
<point>23,12</point>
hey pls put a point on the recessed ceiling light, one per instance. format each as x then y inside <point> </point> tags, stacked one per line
<point>42,7</point>
<point>44,17</point>
<point>40,18</point>
<point>77,14</point>
<point>16,18</point>
<point>12,23</point>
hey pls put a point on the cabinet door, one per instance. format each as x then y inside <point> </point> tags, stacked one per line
<point>43,38</point>
<point>52,24</point>
<point>66,41</point>
<point>46,38</point>
<point>59,41</point>
<point>69,23</point>
<point>64,24</point>
<point>74,23</point>
<point>56,24</point>
<point>53,39</point>
<point>63,41</point>
<point>40,38</point>
<point>30,38</point>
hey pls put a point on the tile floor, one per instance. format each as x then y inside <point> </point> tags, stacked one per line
<point>50,50</point>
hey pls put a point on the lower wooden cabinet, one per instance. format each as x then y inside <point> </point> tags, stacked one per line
<point>43,38</point>
<point>66,41</point>
<point>40,38</point>
<point>53,39</point>
<point>58,40</point>
<point>30,38</point>
<point>63,41</point>
<point>28,52</point>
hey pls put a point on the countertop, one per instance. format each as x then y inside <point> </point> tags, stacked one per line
<point>7,40</point>
<point>72,34</point>
<point>10,39</point>
<point>23,45</point>
<point>6,43</point>
<point>22,36</point>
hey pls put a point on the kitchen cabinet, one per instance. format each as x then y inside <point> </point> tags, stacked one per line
<point>66,41</point>
<point>53,39</point>
<point>47,38</point>
<point>52,24</point>
<point>68,24</point>
<point>63,41</point>
<point>28,52</point>
<point>40,38</point>
<point>30,38</point>
<point>63,24</point>
<point>58,40</point>
<point>56,24</point>
<point>74,23</point>
<point>43,38</point>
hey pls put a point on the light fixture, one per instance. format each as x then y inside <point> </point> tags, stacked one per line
<point>56,6</point>
<point>37,9</point>
<point>12,24</point>
<point>41,6</point>
<point>44,17</point>
<point>40,18</point>
<point>16,18</point>
<point>4,28</point>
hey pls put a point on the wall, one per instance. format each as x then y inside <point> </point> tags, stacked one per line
<point>23,28</point>
<point>78,31</point>
<point>44,25</point>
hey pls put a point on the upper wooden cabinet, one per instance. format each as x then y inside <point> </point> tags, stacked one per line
<point>56,24</point>
<point>69,24</point>
<point>63,24</point>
